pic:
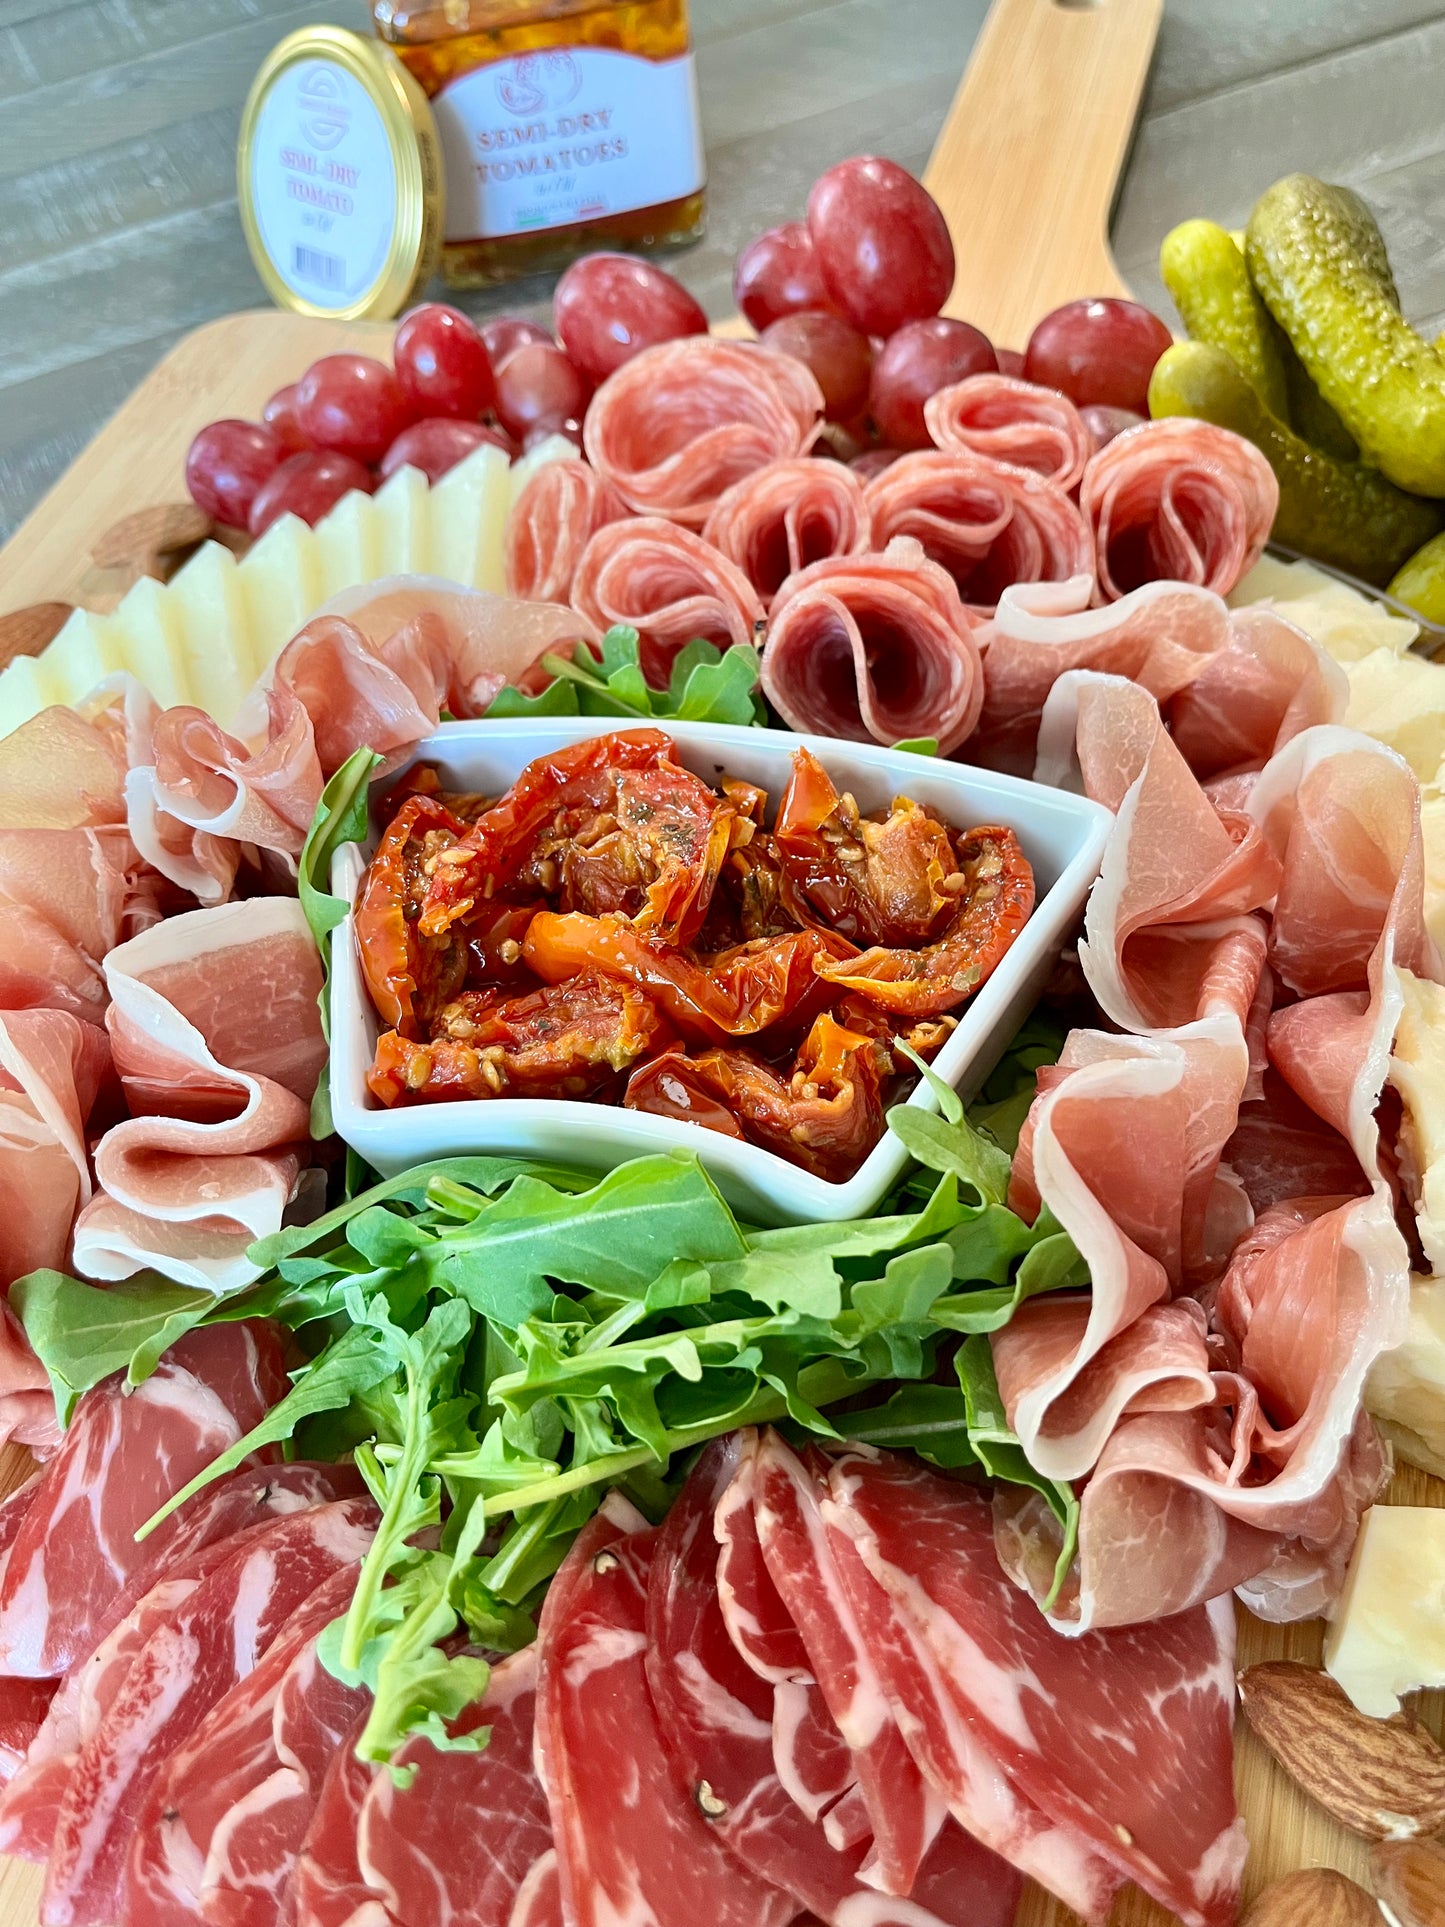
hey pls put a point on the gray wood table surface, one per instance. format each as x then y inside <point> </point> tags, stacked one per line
<point>118,119</point>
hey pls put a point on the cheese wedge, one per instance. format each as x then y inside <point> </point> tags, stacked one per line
<point>1388,1633</point>
<point>1405,1392</point>
<point>206,636</point>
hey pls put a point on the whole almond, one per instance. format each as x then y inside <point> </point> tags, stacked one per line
<point>141,541</point>
<point>1382,1778</point>
<point>1409,1878</point>
<point>1316,1897</point>
<point>25,632</point>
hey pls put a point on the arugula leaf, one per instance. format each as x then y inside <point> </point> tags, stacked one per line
<point>919,745</point>
<point>83,1334</point>
<point>1002,1457</point>
<point>931,1420</point>
<point>559,698</point>
<point>340,818</point>
<point>706,685</point>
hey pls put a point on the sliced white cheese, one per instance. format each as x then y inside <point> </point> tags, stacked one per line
<point>88,649</point>
<point>403,523</point>
<point>210,600</point>
<point>1405,1392</point>
<point>1401,700</point>
<point>348,542</point>
<point>282,581</point>
<point>1345,624</point>
<point>1387,1636</point>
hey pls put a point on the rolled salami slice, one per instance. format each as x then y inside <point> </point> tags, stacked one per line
<point>680,423</point>
<point>987,524</point>
<point>788,515</point>
<point>1177,500</point>
<point>1011,421</point>
<point>557,513</point>
<point>874,646</point>
<point>666,583</point>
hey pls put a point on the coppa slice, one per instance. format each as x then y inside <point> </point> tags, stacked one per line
<point>903,1816</point>
<point>122,1457</point>
<point>225,1818</point>
<point>456,1847</point>
<point>1122,1736</point>
<point>215,1639</point>
<point>714,1715</point>
<point>631,1846</point>
<point>327,1888</point>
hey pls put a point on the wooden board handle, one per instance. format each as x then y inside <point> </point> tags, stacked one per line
<point>1029,158</point>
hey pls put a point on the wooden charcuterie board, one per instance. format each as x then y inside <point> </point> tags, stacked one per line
<point>1026,168</point>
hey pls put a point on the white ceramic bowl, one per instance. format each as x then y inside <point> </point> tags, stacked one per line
<point>1062,836</point>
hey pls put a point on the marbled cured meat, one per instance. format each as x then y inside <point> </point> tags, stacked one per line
<point>669,585</point>
<point>1177,500</point>
<point>874,647</point>
<point>988,525</point>
<point>678,424</point>
<point>1014,422</point>
<point>557,513</point>
<point>328,1888</point>
<point>1267,684</point>
<point>787,515</point>
<point>1122,1738</point>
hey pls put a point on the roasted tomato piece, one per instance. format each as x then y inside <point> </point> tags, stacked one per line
<point>669,1086</point>
<point>878,882</point>
<point>737,993</point>
<point>994,897</point>
<point>409,974</point>
<point>495,933</point>
<point>754,898</point>
<point>826,1116</point>
<point>564,1040</point>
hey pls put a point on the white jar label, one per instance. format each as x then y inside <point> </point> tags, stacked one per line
<point>323,184</point>
<point>566,134</point>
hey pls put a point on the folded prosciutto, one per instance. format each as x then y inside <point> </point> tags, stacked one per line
<point>874,646</point>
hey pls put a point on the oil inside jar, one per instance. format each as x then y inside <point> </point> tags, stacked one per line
<point>565,125</point>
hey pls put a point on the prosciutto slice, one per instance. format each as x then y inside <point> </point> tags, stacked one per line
<point>428,1871</point>
<point>874,647</point>
<point>217,1038</point>
<point>669,585</point>
<point>560,508</point>
<point>1265,686</point>
<point>1177,500</point>
<point>632,1847</point>
<point>1124,1739</point>
<point>123,1455</point>
<point>328,1889</point>
<point>677,425</point>
<point>988,525</point>
<point>787,515</point>
<point>1014,422</point>
<point>215,1638</point>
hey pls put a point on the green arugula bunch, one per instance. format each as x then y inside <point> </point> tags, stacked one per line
<point>707,685</point>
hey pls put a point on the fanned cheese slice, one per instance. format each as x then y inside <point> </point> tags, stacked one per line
<point>1388,1633</point>
<point>207,636</point>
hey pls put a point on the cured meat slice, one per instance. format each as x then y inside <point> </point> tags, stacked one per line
<point>122,1457</point>
<point>631,1846</point>
<point>1177,500</point>
<point>217,1038</point>
<point>902,1819</point>
<point>215,1638</point>
<point>715,1722</point>
<point>1162,635</point>
<point>669,585</point>
<point>327,1888</point>
<point>23,1706</point>
<point>1123,1737</point>
<point>226,1816</point>
<point>210,1529</point>
<point>680,423</point>
<point>986,524</point>
<point>456,1847</point>
<point>1014,422</point>
<point>874,646</point>
<point>539,1898</point>
<point>1267,684</point>
<point>561,507</point>
<point>784,517</point>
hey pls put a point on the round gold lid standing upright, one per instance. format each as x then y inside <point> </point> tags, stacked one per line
<point>340,177</point>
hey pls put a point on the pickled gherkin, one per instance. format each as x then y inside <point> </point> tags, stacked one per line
<point>1205,274</point>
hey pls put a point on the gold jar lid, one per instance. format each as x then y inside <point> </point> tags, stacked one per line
<point>340,177</point>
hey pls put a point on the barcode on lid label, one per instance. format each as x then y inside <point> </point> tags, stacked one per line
<point>325,270</point>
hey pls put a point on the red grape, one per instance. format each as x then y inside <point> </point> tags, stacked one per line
<point>228,463</point>
<point>778,274</point>
<point>1098,351</point>
<point>882,244</point>
<point>921,358</point>
<point>505,333</point>
<point>279,415</point>
<point>835,351</point>
<point>1105,423</point>
<point>307,485</point>
<point>442,366</point>
<point>873,461</point>
<point>1010,362</point>
<point>610,306</point>
<point>437,444</point>
<point>535,384</point>
<point>352,405</point>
